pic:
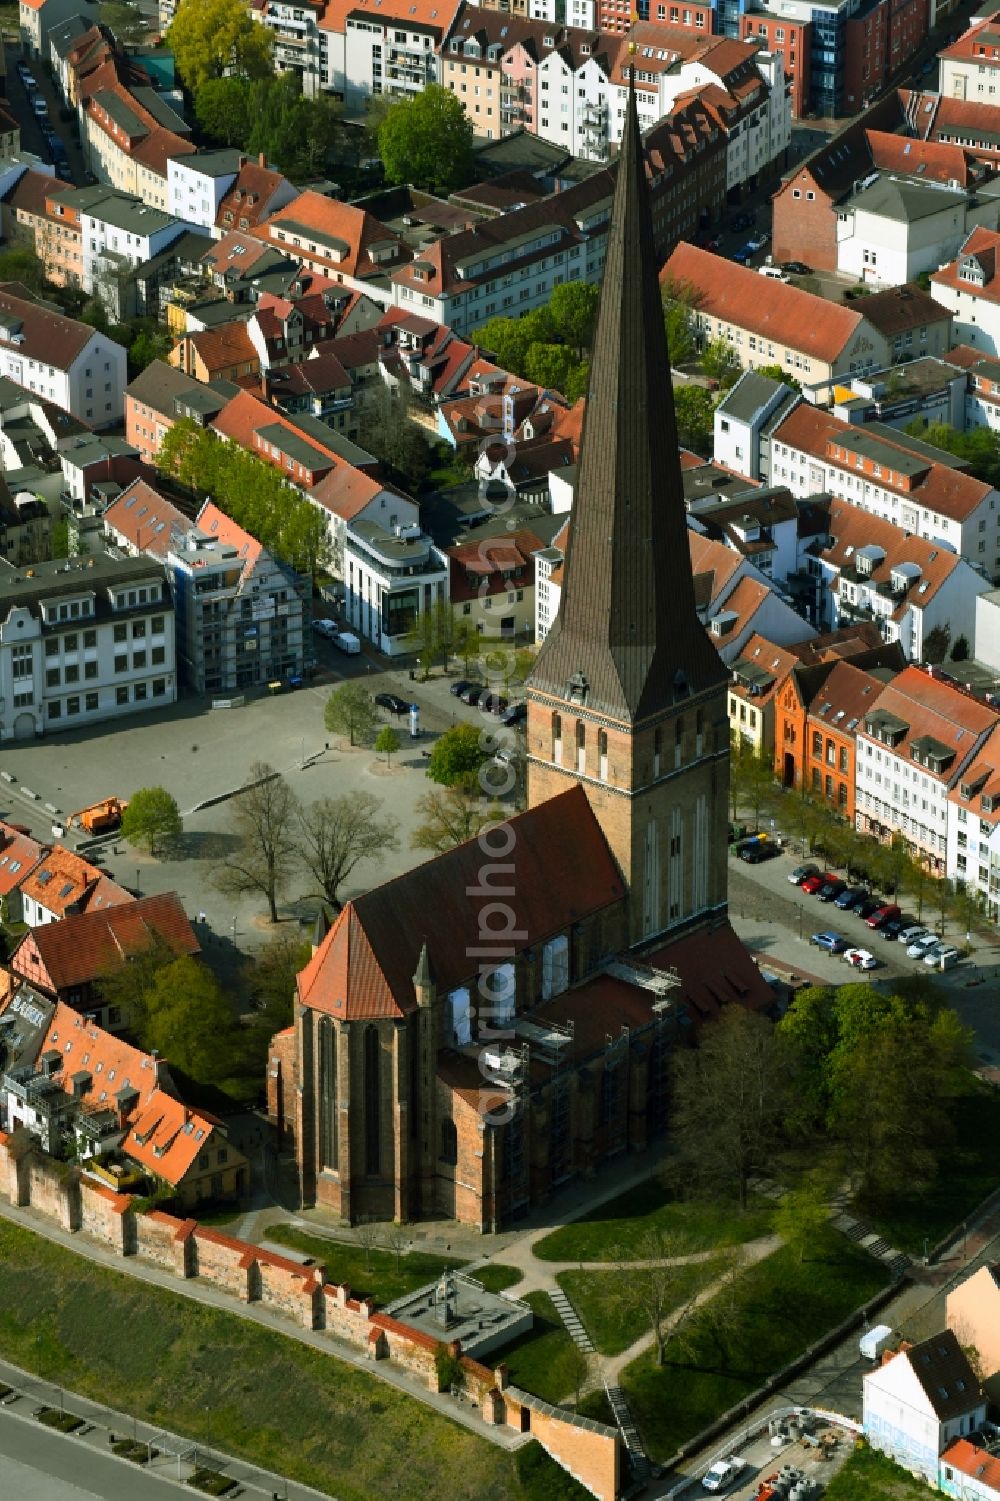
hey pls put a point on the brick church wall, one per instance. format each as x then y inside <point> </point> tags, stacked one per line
<point>282,1081</point>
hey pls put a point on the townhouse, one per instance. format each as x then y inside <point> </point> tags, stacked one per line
<point>372,48</point>
<point>817,710</point>
<point>914,745</point>
<point>40,213</point>
<point>970,65</point>
<point>969,288</point>
<point>37,18</point>
<point>67,960</point>
<point>919,1400</point>
<point>256,192</point>
<point>83,641</point>
<point>755,677</point>
<point>340,241</point>
<point>819,342</point>
<point>119,232</point>
<point>972,1313</point>
<point>787,35</point>
<point>895,228</point>
<point>900,479</point>
<point>973,853</point>
<point>956,122</point>
<point>19,855</point>
<point>496,575</point>
<point>77,367</point>
<point>226,353</point>
<point>130,145</point>
<point>241,615</point>
<point>159,396</point>
<point>909,586</point>
<point>64,883</point>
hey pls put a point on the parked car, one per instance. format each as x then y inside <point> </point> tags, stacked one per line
<point>882,915</point>
<point>853,896</point>
<point>324,628</point>
<point>40,108</point>
<point>757,850</point>
<point>912,933</point>
<point>392,702</point>
<point>742,221</point>
<point>759,240</point>
<point>472,693</point>
<point>743,254</point>
<point>796,268</point>
<point>920,946</point>
<point>802,873</point>
<point>812,884</point>
<point>723,1472</point>
<point>834,943</point>
<point>459,686</point>
<point>516,714</point>
<point>27,78</point>
<point>346,641</point>
<point>861,958</point>
<point>870,904</point>
<point>892,929</point>
<point>494,703</point>
<point>943,956</point>
<point>831,889</point>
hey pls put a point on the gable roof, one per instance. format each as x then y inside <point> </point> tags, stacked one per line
<point>85,946</point>
<point>19,854</point>
<point>781,313</point>
<point>931,708</point>
<point>215,523</point>
<point>166,1137</point>
<point>48,337</point>
<point>985,244</point>
<point>900,308</point>
<point>844,696</point>
<point>113,1068</point>
<point>943,1370</point>
<point>344,236</point>
<point>147,519</point>
<point>365,965</point>
<point>981,1465</point>
<point>63,880</point>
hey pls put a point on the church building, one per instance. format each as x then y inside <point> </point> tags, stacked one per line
<point>478,1031</point>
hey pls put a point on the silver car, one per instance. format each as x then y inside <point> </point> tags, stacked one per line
<point>918,948</point>
<point>942,956</point>
<point>910,935</point>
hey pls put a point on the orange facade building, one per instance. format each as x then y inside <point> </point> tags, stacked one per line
<point>817,711</point>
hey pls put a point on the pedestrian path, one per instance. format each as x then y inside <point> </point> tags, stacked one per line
<point>863,1235</point>
<point>637,1457</point>
<point>571,1319</point>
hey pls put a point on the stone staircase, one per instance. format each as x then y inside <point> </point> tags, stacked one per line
<point>639,1463</point>
<point>571,1319</point>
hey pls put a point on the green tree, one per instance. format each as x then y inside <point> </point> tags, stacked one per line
<point>695,413</point>
<point>129,983</point>
<point>268,981</point>
<point>427,141</point>
<point>729,1097</point>
<point>59,539</point>
<point>936,644</point>
<point>960,652</point>
<point>451,816</point>
<point>751,777</point>
<point>679,302</point>
<point>23,265</point>
<point>152,819</point>
<point>457,756</point>
<point>349,711</point>
<point>553,366</point>
<point>980,447</point>
<point>147,346</point>
<point>387,742</point>
<point>189,1020</point>
<point>807,1035</point>
<point>335,834</point>
<point>224,108</point>
<point>508,340</point>
<point>264,817</point>
<point>802,1217</point>
<point>775,372</point>
<point>211,38</point>
<point>573,306</point>
<point>721,363</point>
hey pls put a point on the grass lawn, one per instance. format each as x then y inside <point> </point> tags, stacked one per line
<point>349,1263</point>
<point>868,1476</point>
<point>496,1276</point>
<point>268,1399</point>
<point>614,1325</point>
<point>968,1174</point>
<point>623,1221</point>
<point>538,1362</point>
<point>780,1305</point>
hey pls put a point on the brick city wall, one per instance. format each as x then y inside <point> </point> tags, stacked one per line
<point>298,1291</point>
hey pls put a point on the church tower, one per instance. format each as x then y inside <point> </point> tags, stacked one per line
<point>628,695</point>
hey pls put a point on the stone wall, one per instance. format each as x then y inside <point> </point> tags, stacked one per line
<point>297,1290</point>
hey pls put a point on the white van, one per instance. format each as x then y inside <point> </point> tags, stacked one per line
<point>773,273</point>
<point>347,643</point>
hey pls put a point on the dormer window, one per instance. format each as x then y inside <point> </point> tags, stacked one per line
<point>578,688</point>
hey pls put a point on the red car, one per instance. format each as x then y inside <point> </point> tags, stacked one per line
<point>882,915</point>
<point>812,884</point>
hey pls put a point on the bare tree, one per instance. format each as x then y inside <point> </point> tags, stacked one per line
<point>366,1233</point>
<point>662,1287</point>
<point>336,833</point>
<point>396,1238</point>
<point>451,815</point>
<point>264,818</point>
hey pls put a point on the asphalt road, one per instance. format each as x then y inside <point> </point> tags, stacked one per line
<point>37,1464</point>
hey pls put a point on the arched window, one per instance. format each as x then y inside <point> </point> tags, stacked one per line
<point>557,739</point>
<point>602,755</point>
<point>327,1091</point>
<point>678,741</point>
<point>373,1102</point>
<point>581,745</point>
<point>657,751</point>
<point>449,1142</point>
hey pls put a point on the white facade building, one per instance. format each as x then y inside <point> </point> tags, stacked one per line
<point>919,1401</point>
<point>197,184</point>
<point>391,579</point>
<point>895,228</point>
<point>118,233</point>
<point>83,641</point>
<point>69,363</point>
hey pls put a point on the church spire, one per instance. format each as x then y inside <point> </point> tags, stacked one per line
<point>627,641</point>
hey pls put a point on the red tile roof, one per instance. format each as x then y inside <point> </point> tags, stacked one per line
<point>166,1137</point>
<point>715,969</point>
<point>223,528</point>
<point>364,967</point>
<point>63,880</point>
<point>112,1065</point>
<point>49,337</point>
<point>311,218</point>
<point>846,694</point>
<point>86,946</point>
<point>986,244</point>
<point>438,14</point>
<point>935,161</point>
<point>979,1464</point>
<point>249,197</point>
<point>225,346</point>
<point>929,706</point>
<point>146,519</point>
<point>19,854</point>
<point>784,314</point>
<point>852,529</point>
<point>979,44</point>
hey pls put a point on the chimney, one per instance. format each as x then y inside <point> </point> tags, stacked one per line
<point>262,159</point>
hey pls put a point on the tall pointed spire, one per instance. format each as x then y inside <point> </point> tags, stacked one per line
<point>627,641</point>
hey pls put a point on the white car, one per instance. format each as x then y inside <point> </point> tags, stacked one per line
<point>723,1473</point>
<point>324,628</point>
<point>911,934</point>
<point>861,959</point>
<point>918,948</point>
<point>942,956</point>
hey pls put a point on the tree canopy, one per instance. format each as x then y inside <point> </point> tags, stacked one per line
<point>152,819</point>
<point>271,116</point>
<point>250,491</point>
<point>980,446</point>
<point>189,1019</point>
<point>349,711</point>
<point>695,411</point>
<point>548,345</point>
<point>457,756</point>
<point>679,301</point>
<point>263,817</point>
<point>335,834</point>
<point>210,38</point>
<point>427,141</point>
